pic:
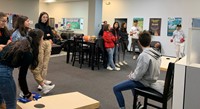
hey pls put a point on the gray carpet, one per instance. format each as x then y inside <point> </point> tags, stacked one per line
<point>96,83</point>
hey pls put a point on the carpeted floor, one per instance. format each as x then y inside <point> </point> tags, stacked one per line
<point>96,83</point>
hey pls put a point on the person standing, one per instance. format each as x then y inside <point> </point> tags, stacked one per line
<point>146,72</point>
<point>115,32</point>
<point>134,32</point>
<point>4,40</point>
<point>179,40</point>
<point>123,41</point>
<point>45,49</point>
<point>109,43</point>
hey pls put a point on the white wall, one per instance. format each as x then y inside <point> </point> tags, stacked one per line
<point>29,8</point>
<point>129,9</point>
<point>59,10</point>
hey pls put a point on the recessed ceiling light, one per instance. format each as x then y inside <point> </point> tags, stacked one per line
<point>49,1</point>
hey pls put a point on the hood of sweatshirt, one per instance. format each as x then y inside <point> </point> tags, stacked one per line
<point>155,54</point>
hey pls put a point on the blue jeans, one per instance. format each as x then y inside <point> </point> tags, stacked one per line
<point>125,85</point>
<point>110,57</point>
<point>7,87</point>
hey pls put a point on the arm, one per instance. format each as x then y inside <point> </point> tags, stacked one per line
<point>140,70</point>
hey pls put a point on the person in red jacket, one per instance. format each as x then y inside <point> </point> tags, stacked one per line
<point>109,43</point>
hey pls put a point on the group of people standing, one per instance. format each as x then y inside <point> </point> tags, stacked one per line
<point>115,43</point>
<point>24,49</point>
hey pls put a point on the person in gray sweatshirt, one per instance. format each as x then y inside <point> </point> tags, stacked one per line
<point>146,72</point>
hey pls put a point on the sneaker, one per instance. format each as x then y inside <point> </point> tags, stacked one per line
<point>47,88</point>
<point>39,88</point>
<point>116,68</point>
<point>117,65</point>
<point>125,63</point>
<point>120,63</point>
<point>47,82</point>
<point>21,95</point>
<point>134,57</point>
<point>109,68</point>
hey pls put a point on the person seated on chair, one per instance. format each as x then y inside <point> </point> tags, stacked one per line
<point>146,72</point>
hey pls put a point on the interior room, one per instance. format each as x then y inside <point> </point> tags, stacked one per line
<point>83,70</point>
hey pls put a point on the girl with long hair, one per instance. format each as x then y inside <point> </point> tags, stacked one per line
<point>23,54</point>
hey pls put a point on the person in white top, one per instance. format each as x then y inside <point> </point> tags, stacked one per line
<point>134,32</point>
<point>179,40</point>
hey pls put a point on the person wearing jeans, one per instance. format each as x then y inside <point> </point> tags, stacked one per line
<point>109,43</point>
<point>146,72</point>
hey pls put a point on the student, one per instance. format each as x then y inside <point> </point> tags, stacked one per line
<point>146,72</point>
<point>20,33</point>
<point>23,54</point>
<point>115,32</point>
<point>179,39</point>
<point>21,28</point>
<point>134,33</point>
<point>45,49</point>
<point>124,41</point>
<point>109,43</point>
<point>4,40</point>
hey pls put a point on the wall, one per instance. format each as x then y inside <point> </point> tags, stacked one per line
<point>28,8</point>
<point>59,10</point>
<point>186,9</point>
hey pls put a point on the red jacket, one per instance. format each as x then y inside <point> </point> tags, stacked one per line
<point>109,39</point>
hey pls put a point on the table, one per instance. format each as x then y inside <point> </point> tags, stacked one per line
<point>73,100</point>
<point>165,61</point>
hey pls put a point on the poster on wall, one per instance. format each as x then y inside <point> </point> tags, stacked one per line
<point>120,20</point>
<point>172,22</point>
<point>140,22</point>
<point>155,26</point>
<point>73,23</point>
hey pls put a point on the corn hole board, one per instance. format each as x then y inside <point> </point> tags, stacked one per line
<point>165,61</point>
<point>73,100</point>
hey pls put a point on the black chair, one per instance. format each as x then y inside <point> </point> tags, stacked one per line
<point>78,50</point>
<point>149,93</point>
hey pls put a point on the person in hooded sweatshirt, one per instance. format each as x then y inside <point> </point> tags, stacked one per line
<point>146,72</point>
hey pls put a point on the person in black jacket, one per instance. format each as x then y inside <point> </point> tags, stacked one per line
<point>40,72</point>
<point>124,41</point>
<point>23,54</point>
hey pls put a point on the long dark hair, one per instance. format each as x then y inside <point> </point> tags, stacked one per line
<point>36,35</point>
<point>117,29</point>
<point>14,52</point>
<point>40,17</point>
<point>4,30</point>
<point>106,27</point>
<point>122,27</point>
<point>20,25</point>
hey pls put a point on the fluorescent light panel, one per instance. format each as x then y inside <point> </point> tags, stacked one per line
<point>49,1</point>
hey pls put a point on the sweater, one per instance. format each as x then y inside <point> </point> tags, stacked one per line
<point>46,29</point>
<point>109,39</point>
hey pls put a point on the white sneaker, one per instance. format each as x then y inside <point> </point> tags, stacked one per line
<point>47,82</point>
<point>125,63</point>
<point>21,95</point>
<point>39,88</point>
<point>116,68</point>
<point>109,68</point>
<point>134,57</point>
<point>120,63</point>
<point>47,88</point>
<point>117,65</point>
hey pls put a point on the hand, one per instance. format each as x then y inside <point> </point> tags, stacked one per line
<point>48,35</point>
<point>171,40</point>
<point>51,41</point>
<point>31,97</point>
<point>182,40</point>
